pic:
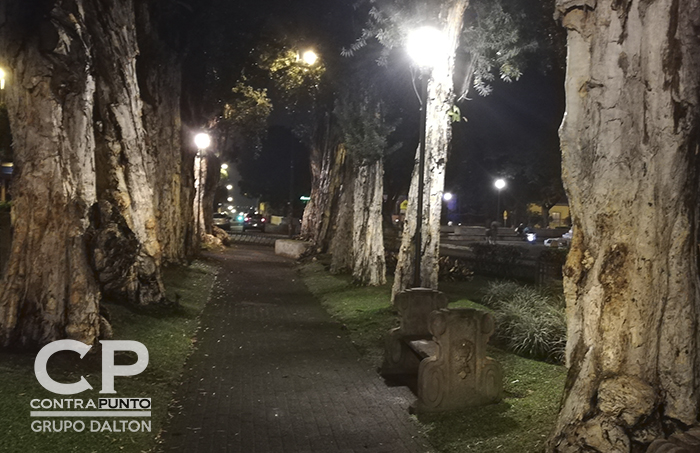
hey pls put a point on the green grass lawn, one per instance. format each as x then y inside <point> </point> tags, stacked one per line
<point>168,335</point>
<point>519,424</point>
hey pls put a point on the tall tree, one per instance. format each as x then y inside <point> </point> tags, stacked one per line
<point>49,290</point>
<point>494,40</point>
<point>125,171</point>
<point>365,135</point>
<point>159,73</point>
<point>630,164</point>
<point>438,133</point>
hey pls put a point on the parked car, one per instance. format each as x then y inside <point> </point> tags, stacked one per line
<point>254,221</point>
<point>222,220</point>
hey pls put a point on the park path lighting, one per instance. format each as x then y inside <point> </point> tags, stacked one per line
<point>309,58</point>
<point>500,184</point>
<point>202,142</point>
<point>426,46</point>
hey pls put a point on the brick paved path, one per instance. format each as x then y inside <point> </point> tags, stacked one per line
<point>274,373</point>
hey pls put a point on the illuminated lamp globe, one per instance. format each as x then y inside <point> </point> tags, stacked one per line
<point>202,140</point>
<point>309,57</point>
<point>427,46</point>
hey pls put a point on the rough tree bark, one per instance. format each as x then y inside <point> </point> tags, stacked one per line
<point>438,135</point>
<point>48,291</point>
<point>159,74</point>
<point>369,267</point>
<point>326,161</point>
<point>341,247</point>
<point>630,154</point>
<point>125,171</point>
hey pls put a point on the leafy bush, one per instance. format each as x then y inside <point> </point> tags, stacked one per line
<point>531,321</point>
<point>498,259</point>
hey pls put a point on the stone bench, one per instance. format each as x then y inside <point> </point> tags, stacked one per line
<point>446,350</point>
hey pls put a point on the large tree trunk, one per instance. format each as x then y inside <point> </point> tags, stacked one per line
<point>438,135</point>
<point>630,145</point>
<point>369,266</point>
<point>159,75</point>
<point>48,291</point>
<point>125,171</point>
<point>326,161</point>
<point>341,246</point>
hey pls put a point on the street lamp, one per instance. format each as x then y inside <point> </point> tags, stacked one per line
<point>447,196</point>
<point>202,142</point>
<point>309,57</point>
<point>426,46</point>
<point>500,183</point>
<point>229,187</point>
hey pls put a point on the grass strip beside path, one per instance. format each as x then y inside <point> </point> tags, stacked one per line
<point>519,424</point>
<point>168,336</point>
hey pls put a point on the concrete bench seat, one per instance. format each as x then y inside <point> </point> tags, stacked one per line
<point>446,350</point>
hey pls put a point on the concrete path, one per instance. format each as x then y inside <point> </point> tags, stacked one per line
<point>273,372</point>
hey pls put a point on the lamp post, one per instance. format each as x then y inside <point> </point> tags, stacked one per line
<point>202,142</point>
<point>425,47</point>
<point>500,183</point>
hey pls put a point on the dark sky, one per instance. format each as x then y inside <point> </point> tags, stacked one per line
<point>516,125</point>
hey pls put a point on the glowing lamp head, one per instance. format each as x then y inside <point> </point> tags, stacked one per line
<point>500,183</point>
<point>427,46</point>
<point>309,57</point>
<point>447,196</point>
<point>202,140</point>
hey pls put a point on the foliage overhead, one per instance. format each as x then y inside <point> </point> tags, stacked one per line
<point>497,39</point>
<point>245,115</point>
<point>364,128</point>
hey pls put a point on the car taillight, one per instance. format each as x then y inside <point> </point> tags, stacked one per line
<point>247,219</point>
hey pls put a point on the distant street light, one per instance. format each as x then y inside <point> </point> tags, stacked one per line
<point>500,184</point>
<point>309,57</point>
<point>447,196</point>
<point>224,166</point>
<point>229,187</point>
<point>202,141</point>
<point>426,46</point>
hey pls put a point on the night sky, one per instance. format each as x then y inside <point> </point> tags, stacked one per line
<point>514,127</point>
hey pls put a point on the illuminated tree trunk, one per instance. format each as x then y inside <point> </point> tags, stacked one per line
<point>369,266</point>
<point>126,173</point>
<point>341,246</point>
<point>629,147</point>
<point>159,75</point>
<point>438,136</point>
<point>48,291</point>
<point>326,161</point>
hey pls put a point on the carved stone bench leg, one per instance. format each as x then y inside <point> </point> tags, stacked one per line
<point>460,375</point>
<point>414,307</point>
<point>399,359</point>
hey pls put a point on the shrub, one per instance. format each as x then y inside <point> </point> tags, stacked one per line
<point>497,259</point>
<point>531,321</point>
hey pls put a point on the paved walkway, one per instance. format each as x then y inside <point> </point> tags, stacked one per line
<point>274,373</point>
